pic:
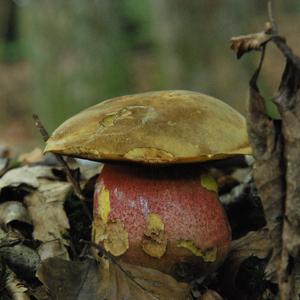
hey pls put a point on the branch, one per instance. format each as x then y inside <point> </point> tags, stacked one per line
<point>271,17</point>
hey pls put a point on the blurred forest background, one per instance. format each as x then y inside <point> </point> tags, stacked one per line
<point>58,57</point>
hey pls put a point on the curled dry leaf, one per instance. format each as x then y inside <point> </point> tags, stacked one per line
<point>34,156</point>
<point>10,237</point>
<point>254,41</point>
<point>15,287</point>
<point>26,176</point>
<point>53,248</point>
<point>105,280</point>
<point>46,207</point>
<point>88,172</point>
<point>13,211</point>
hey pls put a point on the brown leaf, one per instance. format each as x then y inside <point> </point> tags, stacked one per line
<point>34,156</point>
<point>88,172</point>
<point>288,102</point>
<point>46,207</point>
<point>25,176</point>
<point>17,290</point>
<point>105,280</point>
<point>13,211</point>
<point>254,41</point>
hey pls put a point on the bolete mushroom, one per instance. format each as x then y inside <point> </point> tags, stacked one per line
<point>159,209</point>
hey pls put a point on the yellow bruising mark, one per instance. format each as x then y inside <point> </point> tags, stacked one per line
<point>103,204</point>
<point>208,255</point>
<point>154,242</point>
<point>208,182</point>
<point>113,236</point>
<point>155,222</point>
<point>149,155</point>
<point>110,120</point>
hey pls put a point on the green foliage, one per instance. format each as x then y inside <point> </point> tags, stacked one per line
<point>11,52</point>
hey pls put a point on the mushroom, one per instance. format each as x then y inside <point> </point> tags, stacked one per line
<point>154,203</point>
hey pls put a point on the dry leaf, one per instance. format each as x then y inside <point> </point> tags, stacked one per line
<point>15,287</point>
<point>46,207</point>
<point>254,41</point>
<point>28,176</point>
<point>288,102</point>
<point>13,211</point>
<point>34,156</point>
<point>10,237</point>
<point>156,285</point>
<point>88,172</point>
<point>98,281</point>
<point>53,248</point>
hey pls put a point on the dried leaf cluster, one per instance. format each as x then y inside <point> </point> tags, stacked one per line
<point>276,147</point>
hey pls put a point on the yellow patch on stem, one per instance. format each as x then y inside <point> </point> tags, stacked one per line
<point>208,182</point>
<point>113,236</point>
<point>103,204</point>
<point>208,255</point>
<point>155,222</point>
<point>154,242</point>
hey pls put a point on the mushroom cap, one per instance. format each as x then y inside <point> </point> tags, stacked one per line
<point>154,127</point>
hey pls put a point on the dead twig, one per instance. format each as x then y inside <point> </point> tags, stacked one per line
<point>271,17</point>
<point>73,181</point>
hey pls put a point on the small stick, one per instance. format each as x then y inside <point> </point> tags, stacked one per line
<point>271,17</point>
<point>73,181</point>
<point>5,168</point>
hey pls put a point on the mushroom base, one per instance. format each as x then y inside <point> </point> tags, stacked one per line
<point>164,218</point>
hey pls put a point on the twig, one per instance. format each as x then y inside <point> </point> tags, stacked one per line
<point>103,252</point>
<point>271,17</point>
<point>73,181</point>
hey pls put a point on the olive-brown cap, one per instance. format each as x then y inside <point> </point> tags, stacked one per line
<point>154,127</point>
